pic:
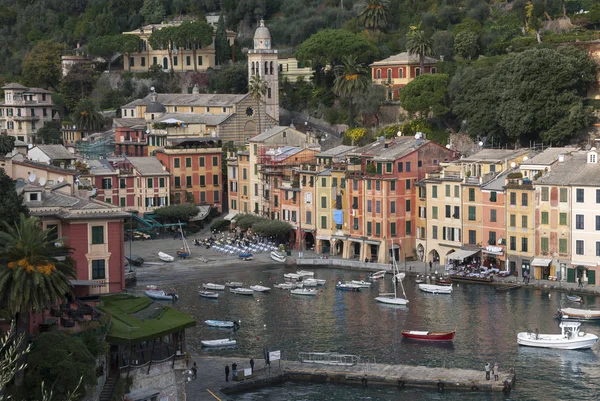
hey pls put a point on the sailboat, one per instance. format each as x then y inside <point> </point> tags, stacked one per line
<point>185,251</point>
<point>387,298</point>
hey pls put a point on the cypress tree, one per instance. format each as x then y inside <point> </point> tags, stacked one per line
<point>222,49</point>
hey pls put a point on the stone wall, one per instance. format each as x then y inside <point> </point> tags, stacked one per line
<point>163,377</point>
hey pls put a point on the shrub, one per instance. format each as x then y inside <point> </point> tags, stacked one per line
<point>220,225</point>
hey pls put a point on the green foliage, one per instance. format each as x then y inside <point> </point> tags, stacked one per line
<point>389,131</point>
<point>42,64</point>
<point>105,47</point>
<point>426,94</point>
<point>11,203</point>
<point>61,360</point>
<point>7,144</point>
<point>410,128</point>
<point>78,84</point>
<point>197,33</point>
<point>272,228</point>
<point>369,104</point>
<point>222,49</point>
<point>231,79</point>
<point>354,136</point>
<point>296,95</point>
<point>153,11</point>
<point>371,169</point>
<point>95,345</point>
<point>245,221</point>
<point>466,44</point>
<point>220,225</point>
<point>443,44</point>
<point>420,43</point>
<point>257,88</point>
<point>374,14</point>
<point>86,116</point>
<point>49,133</point>
<point>332,45</point>
<point>176,213</point>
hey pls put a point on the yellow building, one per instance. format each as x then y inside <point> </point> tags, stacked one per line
<point>291,69</point>
<point>182,56</point>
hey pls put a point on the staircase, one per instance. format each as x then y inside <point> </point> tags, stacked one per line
<point>109,388</point>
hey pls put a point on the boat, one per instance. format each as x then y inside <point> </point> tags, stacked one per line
<point>242,291</point>
<point>320,281</point>
<point>185,251</point>
<point>224,342</point>
<point>278,256</point>
<point>245,255</point>
<point>220,323</point>
<point>305,273</point>
<point>259,288</point>
<point>400,276</point>
<point>208,294</point>
<point>429,335</point>
<point>309,282</point>
<point>305,291</point>
<point>443,281</point>
<point>233,284</point>
<point>473,279</point>
<point>508,287</point>
<point>360,283</point>
<point>569,338</point>
<point>574,298</point>
<point>213,286</point>
<point>347,287</point>
<point>419,279</point>
<point>182,254</point>
<point>152,287</point>
<point>583,314</point>
<point>291,276</point>
<point>135,260</point>
<point>393,298</point>
<point>161,295</point>
<point>285,286</point>
<point>165,257</point>
<point>377,275</point>
<point>436,289</point>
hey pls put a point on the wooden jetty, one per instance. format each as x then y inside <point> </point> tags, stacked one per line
<point>211,380</point>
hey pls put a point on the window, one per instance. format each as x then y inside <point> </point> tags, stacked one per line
<point>598,196</point>
<point>562,219</point>
<point>420,163</point>
<point>97,235</point>
<point>201,162</point>
<point>202,197</point>
<point>562,245</point>
<point>545,194</point>
<point>544,243</point>
<point>355,223</point>
<point>199,60</point>
<point>215,180</point>
<point>377,185</point>
<point>52,230</point>
<point>407,205</point>
<point>524,221</point>
<point>308,217</point>
<point>400,73</point>
<point>122,183</point>
<point>176,162</point>
<point>369,206</point>
<point>98,269</point>
<point>177,182</point>
<point>161,182</point>
<point>393,207</point>
<point>472,237</point>
<point>513,198</point>
<point>392,186</point>
<point>579,195</point>
<point>334,182</point>
<point>154,60</point>
<point>308,198</point>
<point>377,229</point>
<point>355,185</point>
<point>369,227</point>
<point>492,240</point>
<point>597,223</point>
<point>123,202</point>
<point>456,214</point>
<point>447,190</point>
<point>377,207</point>
<point>388,167</point>
<point>434,212</point>
<point>563,195</point>
<point>215,196</point>
<point>493,196</point>
<point>188,162</point>
<point>471,194</point>
<point>597,248</point>
<point>393,229</point>
<point>493,215</point>
<point>434,232</point>
<point>106,183</point>
<point>355,202</point>
<point>579,247</point>
<point>245,191</point>
<point>215,161</point>
<point>368,184</point>
<point>400,167</point>
<point>188,60</point>
<point>143,62</point>
<point>456,191</point>
<point>472,213</point>
<point>202,181</point>
<point>188,181</point>
<point>378,74</point>
<point>513,220</point>
<point>513,243</point>
<point>324,202</point>
<point>434,191</point>
<point>408,228</point>
<point>417,72</point>
<point>448,211</point>
<point>579,222</point>
<point>524,247</point>
<point>544,217</point>
<point>407,167</point>
<point>524,199</point>
<point>407,184</point>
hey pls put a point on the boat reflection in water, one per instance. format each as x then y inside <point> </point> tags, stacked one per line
<point>570,361</point>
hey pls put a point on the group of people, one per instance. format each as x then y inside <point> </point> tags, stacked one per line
<point>234,369</point>
<point>494,370</point>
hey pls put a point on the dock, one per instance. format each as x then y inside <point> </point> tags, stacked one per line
<point>211,384</point>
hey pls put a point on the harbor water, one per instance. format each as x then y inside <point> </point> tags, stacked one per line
<point>487,323</point>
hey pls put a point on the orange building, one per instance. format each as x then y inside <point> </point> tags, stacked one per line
<point>397,71</point>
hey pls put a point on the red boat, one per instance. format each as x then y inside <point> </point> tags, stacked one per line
<point>444,282</point>
<point>429,335</point>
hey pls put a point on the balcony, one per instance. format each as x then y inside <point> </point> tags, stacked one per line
<point>26,118</point>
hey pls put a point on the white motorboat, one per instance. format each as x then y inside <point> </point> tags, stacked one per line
<point>161,295</point>
<point>393,298</point>
<point>285,286</point>
<point>582,314</point>
<point>278,256</point>
<point>260,288</point>
<point>309,282</point>
<point>208,294</point>
<point>242,291</point>
<point>233,284</point>
<point>291,276</point>
<point>224,342</point>
<point>320,281</point>
<point>436,289</point>
<point>400,276</point>
<point>165,257</point>
<point>377,275</point>
<point>360,283</point>
<point>305,273</point>
<point>220,323</point>
<point>305,291</point>
<point>570,338</point>
<point>347,287</point>
<point>213,286</point>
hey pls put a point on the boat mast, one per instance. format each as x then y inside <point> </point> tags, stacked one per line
<point>186,247</point>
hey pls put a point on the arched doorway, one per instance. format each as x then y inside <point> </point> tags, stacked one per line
<point>165,63</point>
<point>325,246</point>
<point>433,256</point>
<point>293,238</point>
<point>421,252</point>
<point>339,247</point>
<point>395,252</point>
<point>356,249</point>
<point>309,241</point>
<point>249,129</point>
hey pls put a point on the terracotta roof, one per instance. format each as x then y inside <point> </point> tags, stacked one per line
<point>404,58</point>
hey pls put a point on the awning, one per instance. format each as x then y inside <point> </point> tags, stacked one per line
<point>355,239</point>
<point>230,216</point>
<point>541,262</point>
<point>372,242</point>
<point>394,246</point>
<point>461,254</point>
<point>586,264</point>
<point>338,216</point>
<point>343,238</point>
<point>324,237</point>
<point>84,283</point>
<point>497,253</point>
<point>171,121</point>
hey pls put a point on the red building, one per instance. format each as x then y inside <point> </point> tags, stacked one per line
<point>131,141</point>
<point>397,71</point>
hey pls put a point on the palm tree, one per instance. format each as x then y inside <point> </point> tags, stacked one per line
<point>419,42</point>
<point>32,275</point>
<point>257,88</point>
<point>86,115</point>
<point>351,78</point>
<point>374,14</point>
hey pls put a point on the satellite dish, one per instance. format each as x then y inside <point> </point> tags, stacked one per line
<point>525,158</point>
<point>61,179</point>
<point>152,88</point>
<point>29,146</point>
<point>31,177</point>
<point>448,146</point>
<point>42,181</point>
<point>593,149</point>
<point>94,191</point>
<point>480,144</point>
<point>513,164</point>
<point>147,131</point>
<point>588,147</point>
<point>399,133</point>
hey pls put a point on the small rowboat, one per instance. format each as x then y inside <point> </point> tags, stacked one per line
<point>436,289</point>
<point>285,286</point>
<point>220,323</point>
<point>305,273</point>
<point>309,282</point>
<point>377,275</point>
<point>208,294</point>
<point>233,284</point>
<point>165,257</point>
<point>429,335</point>
<point>161,295</point>
<point>278,256</point>
<point>291,276</point>
<point>583,314</point>
<point>183,254</point>
<point>224,342</point>
<point>213,286</point>
<point>259,288</point>
<point>574,298</point>
<point>347,287</point>
<point>242,291</point>
<point>304,291</point>
<point>245,255</point>
<point>360,283</point>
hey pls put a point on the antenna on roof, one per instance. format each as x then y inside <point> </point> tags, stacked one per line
<point>42,181</point>
<point>61,179</point>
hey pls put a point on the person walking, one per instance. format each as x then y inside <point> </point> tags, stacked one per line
<point>430,265</point>
<point>194,371</point>
<point>580,283</point>
<point>495,371</point>
<point>226,373</point>
<point>487,371</point>
<point>252,365</point>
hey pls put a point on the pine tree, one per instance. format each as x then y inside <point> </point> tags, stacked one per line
<point>222,49</point>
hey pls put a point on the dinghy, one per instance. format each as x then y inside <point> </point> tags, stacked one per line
<point>436,289</point>
<point>429,335</point>
<point>233,284</point>
<point>377,275</point>
<point>208,294</point>
<point>583,314</point>
<point>278,256</point>
<point>259,288</point>
<point>360,283</point>
<point>574,298</point>
<point>165,257</point>
<point>285,286</point>
<point>304,291</point>
<point>242,291</point>
<point>213,286</point>
<point>310,282</point>
<point>220,323</point>
<point>224,342</point>
<point>305,273</point>
<point>347,287</point>
<point>161,295</point>
<point>291,276</point>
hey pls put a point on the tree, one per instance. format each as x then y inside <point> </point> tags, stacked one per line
<point>32,275</point>
<point>466,44</point>
<point>49,133</point>
<point>182,212</point>
<point>42,64</point>
<point>164,39</point>
<point>419,43</point>
<point>443,45</point>
<point>196,34</point>
<point>222,48</point>
<point>128,44</point>
<point>257,88</point>
<point>351,78</point>
<point>355,136</point>
<point>425,95</point>
<point>11,203</point>
<point>153,11</point>
<point>279,230</point>
<point>86,116</point>
<point>77,84</point>
<point>374,14</point>
<point>7,144</point>
<point>105,47</point>
<point>230,79</point>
